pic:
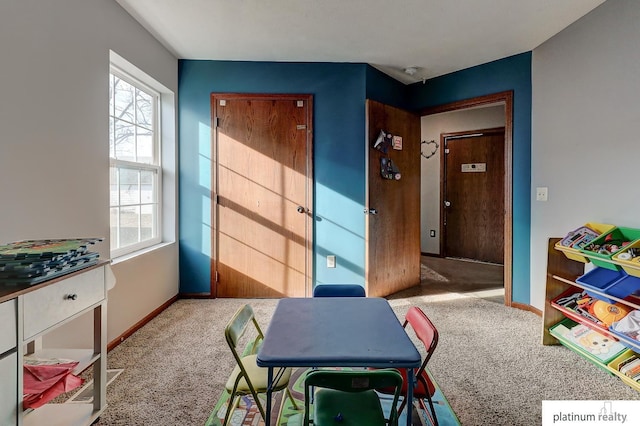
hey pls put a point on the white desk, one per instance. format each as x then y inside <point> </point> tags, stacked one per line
<point>30,312</point>
<point>337,332</point>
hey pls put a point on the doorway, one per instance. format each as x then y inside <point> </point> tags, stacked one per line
<point>504,99</point>
<point>262,190</point>
<point>472,211</point>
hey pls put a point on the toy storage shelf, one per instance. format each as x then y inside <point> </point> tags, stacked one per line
<point>562,273</point>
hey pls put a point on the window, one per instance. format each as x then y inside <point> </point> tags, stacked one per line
<point>135,175</point>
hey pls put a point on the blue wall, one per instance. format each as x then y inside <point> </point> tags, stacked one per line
<point>339,166</point>
<point>382,88</point>
<point>512,73</point>
<point>340,91</point>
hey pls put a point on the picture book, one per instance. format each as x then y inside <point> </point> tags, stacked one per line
<point>594,345</point>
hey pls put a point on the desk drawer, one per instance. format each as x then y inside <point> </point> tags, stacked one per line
<point>50,305</point>
<point>9,333</point>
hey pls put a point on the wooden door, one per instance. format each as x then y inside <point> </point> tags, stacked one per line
<point>262,193</point>
<point>473,195</point>
<point>393,206</point>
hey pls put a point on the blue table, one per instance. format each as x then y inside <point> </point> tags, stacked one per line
<point>336,332</point>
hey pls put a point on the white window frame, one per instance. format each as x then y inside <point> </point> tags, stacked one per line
<point>156,168</point>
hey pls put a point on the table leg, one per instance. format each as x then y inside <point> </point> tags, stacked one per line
<point>409,407</point>
<point>267,421</point>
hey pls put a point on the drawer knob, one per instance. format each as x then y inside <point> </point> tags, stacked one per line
<point>72,296</point>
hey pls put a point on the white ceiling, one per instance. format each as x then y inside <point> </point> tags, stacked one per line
<point>435,36</point>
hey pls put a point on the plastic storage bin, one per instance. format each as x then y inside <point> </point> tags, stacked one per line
<point>625,286</point>
<point>571,244</point>
<point>613,283</point>
<point>567,303</point>
<point>590,344</point>
<point>631,265</point>
<point>600,279</point>
<point>615,368</point>
<point>625,339</point>
<point>618,235</point>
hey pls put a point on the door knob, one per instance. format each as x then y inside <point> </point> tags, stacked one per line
<point>300,209</point>
<point>447,203</point>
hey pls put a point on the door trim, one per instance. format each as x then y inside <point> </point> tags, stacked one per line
<point>308,186</point>
<point>505,98</point>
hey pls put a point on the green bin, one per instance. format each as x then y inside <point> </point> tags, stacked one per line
<point>620,236</point>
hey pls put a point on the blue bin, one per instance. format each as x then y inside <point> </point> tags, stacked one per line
<point>624,286</point>
<point>600,279</point>
<point>614,283</point>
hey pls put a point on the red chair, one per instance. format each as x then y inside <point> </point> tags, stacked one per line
<point>424,388</point>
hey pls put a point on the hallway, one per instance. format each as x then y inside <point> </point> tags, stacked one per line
<point>448,275</point>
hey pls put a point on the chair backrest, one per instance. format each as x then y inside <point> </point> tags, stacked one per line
<point>424,330</point>
<point>236,328</point>
<point>338,290</point>
<point>354,381</point>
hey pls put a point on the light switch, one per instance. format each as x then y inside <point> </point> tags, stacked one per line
<point>331,261</point>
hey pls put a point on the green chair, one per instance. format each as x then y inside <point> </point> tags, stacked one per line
<point>247,378</point>
<point>348,398</point>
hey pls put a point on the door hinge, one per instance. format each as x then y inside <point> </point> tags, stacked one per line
<point>216,277</point>
<point>216,122</point>
<point>446,151</point>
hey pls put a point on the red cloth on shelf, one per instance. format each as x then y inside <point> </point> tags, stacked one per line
<point>42,383</point>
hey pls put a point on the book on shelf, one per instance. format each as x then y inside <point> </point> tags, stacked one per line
<point>594,345</point>
<point>631,367</point>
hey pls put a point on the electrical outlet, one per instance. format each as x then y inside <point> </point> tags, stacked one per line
<point>331,261</point>
<point>542,193</point>
<point>432,233</point>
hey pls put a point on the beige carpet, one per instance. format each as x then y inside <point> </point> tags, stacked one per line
<point>489,363</point>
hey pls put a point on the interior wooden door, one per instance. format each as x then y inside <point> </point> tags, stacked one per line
<point>393,206</point>
<point>262,193</point>
<point>473,195</point>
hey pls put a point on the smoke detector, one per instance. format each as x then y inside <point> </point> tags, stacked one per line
<point>410,70</point>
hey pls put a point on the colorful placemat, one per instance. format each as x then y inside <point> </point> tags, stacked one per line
<point>246,413</point>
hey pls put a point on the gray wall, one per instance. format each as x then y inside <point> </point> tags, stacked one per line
<point>585,129</point>
<point>432,127</point>
<point>54,142</point>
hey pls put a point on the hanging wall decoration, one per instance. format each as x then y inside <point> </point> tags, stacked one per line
<point>388,169</point>
<point>433,149</point>
<point>397,143</point>
<point>383,141</point>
